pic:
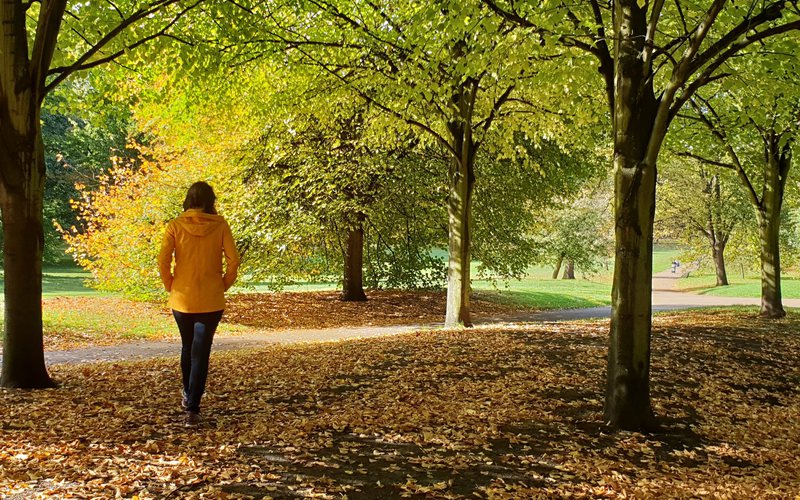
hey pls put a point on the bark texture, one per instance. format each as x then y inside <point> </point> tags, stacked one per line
<point>459,204</point>
<point>459,210</point>
<point>771,300</point>
<point>718,253</point>
<point>627,404</point>
<point>23,351</point>
<point>353,278</point>
<point>22,174</point>
<point>558,267</point>
<point>569,270</point>
<point>776,170</point>
<point>22,153</point>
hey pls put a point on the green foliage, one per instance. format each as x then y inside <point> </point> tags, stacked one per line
<point>307,183</point>
<point>290,89</point>
<point>699,205</point>
<point>406,225</point>
<point>728,129</point>
<point>520,217</point>
<point>79,148</point>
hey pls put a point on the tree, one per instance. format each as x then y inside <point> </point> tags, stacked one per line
<point>702,207</point>
<point>35,60</point>
<point>763,175</point>
<point>516,199</point>
<point>292,169</point>
<point>121,220</point>
<point>576,234</point>
<point>452,88</point>
<point>652,56</point>
<point>325,192</point>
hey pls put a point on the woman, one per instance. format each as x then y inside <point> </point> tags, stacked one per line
<point>199,238</point>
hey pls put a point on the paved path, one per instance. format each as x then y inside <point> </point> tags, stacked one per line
<point>665,298</point>
<point>164,348</point>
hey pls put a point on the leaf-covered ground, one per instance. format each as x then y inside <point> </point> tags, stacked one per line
<point>72,322</point>
<point>324,309</point>
<point>497,413</point>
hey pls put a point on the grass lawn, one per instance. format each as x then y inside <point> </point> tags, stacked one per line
<point>77,321</point>
<point>739,287</point>
<point>535,291</point>
<point>502,413</point>
<point>547,293</point>
<point>539,291</point>
<point>66,281</point>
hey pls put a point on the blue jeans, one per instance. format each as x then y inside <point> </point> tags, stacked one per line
<point>197,333</point>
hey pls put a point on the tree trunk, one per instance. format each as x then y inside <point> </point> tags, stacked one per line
<point>628,376</point>
<point>558,267</point>
<point>22,174</point>
<point>459,201</point>
<point>776,171</point>
<point>23,240</point>
<point>569,270</point>
<point>718,237</point>
<point>769,230</point>
<point>635,111</point>
<point>718,253</point>
<point>459,210</point>
<point>353,279</point>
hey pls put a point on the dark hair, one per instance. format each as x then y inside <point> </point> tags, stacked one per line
<point>200,195</point>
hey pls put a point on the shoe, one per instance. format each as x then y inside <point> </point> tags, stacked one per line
<point>184,400</point>
<point>192,419</point>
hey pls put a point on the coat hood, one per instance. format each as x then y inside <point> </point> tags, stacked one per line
<point>198,223</point>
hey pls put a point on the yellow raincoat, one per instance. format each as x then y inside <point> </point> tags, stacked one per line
<point>199,242</point>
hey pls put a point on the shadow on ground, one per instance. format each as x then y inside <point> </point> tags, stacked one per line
<point>533,454</point>
<point>493,412</point>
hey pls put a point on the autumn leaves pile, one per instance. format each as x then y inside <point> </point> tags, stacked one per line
<point>499,412</point>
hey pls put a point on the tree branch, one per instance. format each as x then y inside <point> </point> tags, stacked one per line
<point>769,13</point>
<point>81,63</point>
<point>336,13</point>
<point>114,6</point>
<point>683,18</point>
<point>511,16</point>
<point>707,75</point>
<point>720,136</point>
<point>707,161</point>
<point>649,41</point>
<point>48,26</point>
<point>242,7</point>
<point>487,122</point>
<point>534,105</point>
<point>606,68</point>
<point>681,72</point>
<point>369,99</point>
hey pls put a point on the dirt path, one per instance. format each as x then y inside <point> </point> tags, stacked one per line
<point>665,298</point>
<point>665,281</point>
